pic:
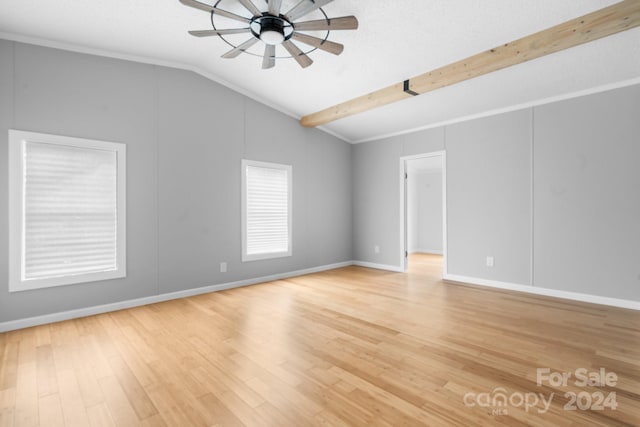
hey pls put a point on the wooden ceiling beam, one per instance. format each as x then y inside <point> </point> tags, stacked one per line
<point>614,19</point>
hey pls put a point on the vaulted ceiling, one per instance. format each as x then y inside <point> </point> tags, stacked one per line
<point>396,40</point>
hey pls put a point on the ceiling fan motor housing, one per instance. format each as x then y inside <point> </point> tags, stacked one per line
<point>271,29</point>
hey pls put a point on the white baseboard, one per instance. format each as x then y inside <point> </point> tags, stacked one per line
<point>575,296</point>
<point>393,268</point>
<point>99,309</point>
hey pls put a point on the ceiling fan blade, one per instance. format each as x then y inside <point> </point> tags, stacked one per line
<point>207,33</point>
<point>238,50</point>
<point>248,4</point>
<point>342,23</point>
<point>197,5</point>
<point>269,60</point>
<point>305,7</point>
<point>201,6</point>
<point>274,7</point>
<point>326,45</point>
<point>297,54</point>
<point>230,15</point>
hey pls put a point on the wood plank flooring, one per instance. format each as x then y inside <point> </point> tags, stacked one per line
<point>348,347</point>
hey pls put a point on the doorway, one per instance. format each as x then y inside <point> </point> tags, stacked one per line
<point>423,225</point>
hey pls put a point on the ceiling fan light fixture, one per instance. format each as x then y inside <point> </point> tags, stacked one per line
<point>271,37</point>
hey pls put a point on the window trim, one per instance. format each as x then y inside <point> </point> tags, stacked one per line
<point>289,252</point>
<point>17,141</point>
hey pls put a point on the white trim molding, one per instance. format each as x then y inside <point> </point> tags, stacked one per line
<point>266,195</point>
<point>574,296</point>
<point>530,104</point>
<point>403,205</point>
<point>121,305</point>
<point>392,268</point>
<point>19,280</point>
<point>72,47</point>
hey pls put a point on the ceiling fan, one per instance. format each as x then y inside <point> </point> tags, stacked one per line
<point>274,28</point>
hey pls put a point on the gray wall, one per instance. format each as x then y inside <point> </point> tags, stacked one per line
<point>186,135</point>
<point>376,193</point>
<point>185,138</point>
<point>489,197</point>
<point>577,209</point>
<point>429,197</point>
<point>424,212</point>
<point>587,194</point>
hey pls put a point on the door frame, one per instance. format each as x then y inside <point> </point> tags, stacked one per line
<point>404,251</point>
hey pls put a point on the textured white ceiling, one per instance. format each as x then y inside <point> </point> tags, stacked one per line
<point>396,40</point>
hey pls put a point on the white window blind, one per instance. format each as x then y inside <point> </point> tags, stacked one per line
<point>267,210</point>
<point>69,219</point>
<point>70,210</point>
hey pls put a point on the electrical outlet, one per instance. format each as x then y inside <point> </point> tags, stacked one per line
<point>489,261</point>
<point>376,249</point>
<point>223,267</point>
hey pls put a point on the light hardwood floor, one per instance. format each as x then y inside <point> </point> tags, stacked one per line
<point>352,346</point>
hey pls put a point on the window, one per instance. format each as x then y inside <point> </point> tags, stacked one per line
<point>266,210</point>
<point>67,210</point>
